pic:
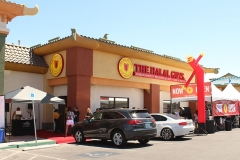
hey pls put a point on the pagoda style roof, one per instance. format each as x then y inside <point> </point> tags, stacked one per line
<point>105,45</point>
<point>9,10</point>
<point>225,79</point>
<point>23,56</point>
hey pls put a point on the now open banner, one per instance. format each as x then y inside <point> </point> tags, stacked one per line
<point>225,108</point>
<point>178,93</point>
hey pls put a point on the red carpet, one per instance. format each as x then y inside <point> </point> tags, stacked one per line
<point>58,137</point>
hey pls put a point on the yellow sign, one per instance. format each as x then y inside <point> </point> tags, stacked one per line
<point>225,108</point>
<point>125,68</point>
<point>56,65</point>
<point>189,90</point>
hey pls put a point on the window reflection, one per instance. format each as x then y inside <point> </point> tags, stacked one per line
<point>114,102</point>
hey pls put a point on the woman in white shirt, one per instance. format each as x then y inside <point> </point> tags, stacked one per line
<point>70,120</point>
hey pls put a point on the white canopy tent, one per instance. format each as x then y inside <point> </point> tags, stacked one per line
<point>32,95</point>
<point>228,103</point>
<point>216,93</point>
<point>230,93</point>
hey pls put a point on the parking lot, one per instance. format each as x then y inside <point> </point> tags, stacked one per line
<point>220,145</point>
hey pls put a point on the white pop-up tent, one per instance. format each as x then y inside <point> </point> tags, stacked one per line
<point>32,95</point>
<point>230,93</point>
<point>216,93</point>
<point>228,104</point>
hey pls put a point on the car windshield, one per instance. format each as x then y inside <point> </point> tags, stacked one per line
<point>173,116</point>
<point>140,114</point>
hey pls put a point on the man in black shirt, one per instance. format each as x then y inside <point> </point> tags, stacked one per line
<point>76,114</point>
<point>97,110</point>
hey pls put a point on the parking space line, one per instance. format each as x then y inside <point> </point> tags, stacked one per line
<point>33,157</point>
<point>9,156</point>
<point>44,156</point>
<point>111,148</point>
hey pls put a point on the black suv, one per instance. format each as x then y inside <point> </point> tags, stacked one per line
<point>118,125</point>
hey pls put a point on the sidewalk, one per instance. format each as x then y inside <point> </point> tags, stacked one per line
<point>24,141</point>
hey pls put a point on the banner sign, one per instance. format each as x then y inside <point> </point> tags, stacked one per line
<point>127,69</point>
<point>225,108</point>
<point>177,91</point>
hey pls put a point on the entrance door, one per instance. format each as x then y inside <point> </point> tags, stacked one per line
<point>62,111</point>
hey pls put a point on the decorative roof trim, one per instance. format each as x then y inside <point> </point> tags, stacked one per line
<point>75,37</point>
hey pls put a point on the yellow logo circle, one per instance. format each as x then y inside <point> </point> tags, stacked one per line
<point>225,107</point>
<point>56,65</point>
<point>125,67</point>
<point>189,90</point>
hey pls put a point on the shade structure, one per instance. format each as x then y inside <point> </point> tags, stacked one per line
<point>29,94</point>
<point>32,95</point>
<point>216,93</point>
<point>230,93</point>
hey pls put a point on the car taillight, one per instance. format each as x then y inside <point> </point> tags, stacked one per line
<point>182,123</point>
<point>133,122</point>
<point>153,120</point>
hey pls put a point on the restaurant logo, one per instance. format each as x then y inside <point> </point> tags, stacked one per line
<point>225,108</point>
<point>56,65</point>
<point>189,90</point>
<point>125,68</point>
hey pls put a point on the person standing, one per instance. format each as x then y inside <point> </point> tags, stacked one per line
<point>97,110</point>
<point>76,114</point>
<point>70,120</point>
<point>15,115</point>
<point>56,120</point>
<point>196,120</point>
<point>89,114</point>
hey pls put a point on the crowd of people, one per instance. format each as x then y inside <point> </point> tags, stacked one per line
<point>72,117</point>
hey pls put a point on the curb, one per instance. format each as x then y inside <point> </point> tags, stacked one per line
<point>40,147</point>
<point>27,144</point>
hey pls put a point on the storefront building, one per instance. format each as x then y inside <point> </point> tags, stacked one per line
<point>96,73</point>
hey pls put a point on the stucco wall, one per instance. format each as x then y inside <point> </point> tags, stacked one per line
<point>60,90</point>
<point>14,80</point>
<point>105,65</point>
<point>49,108</point>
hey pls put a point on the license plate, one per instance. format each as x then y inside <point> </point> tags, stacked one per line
<point>148,125</point>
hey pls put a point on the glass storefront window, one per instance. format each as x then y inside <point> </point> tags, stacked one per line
<point>166,106</point>
<point>114,102</point>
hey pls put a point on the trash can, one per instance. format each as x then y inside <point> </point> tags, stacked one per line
<point>1,135</point>
<point>210,128</point>
<point>228,125</point>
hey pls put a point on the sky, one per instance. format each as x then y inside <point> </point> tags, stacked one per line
<point>177,28</point>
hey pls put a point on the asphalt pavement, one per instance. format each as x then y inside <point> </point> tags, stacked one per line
<point>221,145</point>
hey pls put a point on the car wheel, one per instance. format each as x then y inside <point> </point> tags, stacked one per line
<point>167,134</point>
<point>118,138</point>
<point>79,137</point>
<point>143,141</point>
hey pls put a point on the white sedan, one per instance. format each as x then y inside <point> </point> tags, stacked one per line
<point>170,126</point>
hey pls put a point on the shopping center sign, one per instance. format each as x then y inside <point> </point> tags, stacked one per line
<point>127,69</point>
